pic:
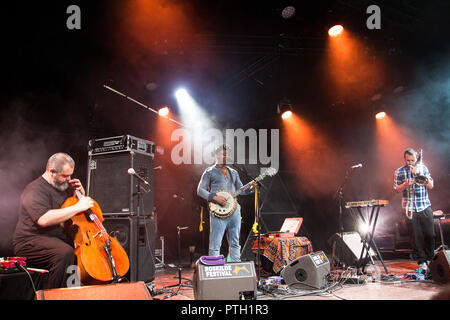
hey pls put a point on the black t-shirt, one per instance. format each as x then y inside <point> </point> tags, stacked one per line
<point>38,198</point>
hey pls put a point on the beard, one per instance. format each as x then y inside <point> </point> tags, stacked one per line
<point>61,186</point>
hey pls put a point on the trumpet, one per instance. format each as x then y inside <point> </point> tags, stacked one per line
<point>419,178</point>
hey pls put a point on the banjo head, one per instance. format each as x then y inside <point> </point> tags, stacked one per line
<point>226,210</point>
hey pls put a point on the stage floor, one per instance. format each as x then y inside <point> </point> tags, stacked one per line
<point>397,285</point>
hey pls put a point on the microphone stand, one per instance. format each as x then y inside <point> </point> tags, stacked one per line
<point>340,197</point>
<point>258,228</point>
<point>180,284</point>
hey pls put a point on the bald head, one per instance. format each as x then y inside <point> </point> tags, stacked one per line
<point>58,161</point>
<point>59,170</point>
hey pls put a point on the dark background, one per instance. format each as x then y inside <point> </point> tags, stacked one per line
<point>238,59</point>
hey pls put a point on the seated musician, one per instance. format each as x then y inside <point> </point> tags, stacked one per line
<point>222,177</point>
<point>39,235</point>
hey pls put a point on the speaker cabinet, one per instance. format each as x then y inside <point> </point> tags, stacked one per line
<point>231,281</point>
<point>310,271</point>
<point>137,236</point>
<point>116,291</point>
<point>347,249</point>
<point>115,190</point>
<point>440,267</point>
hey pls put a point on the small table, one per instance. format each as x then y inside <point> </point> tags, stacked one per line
<point>282,251</point>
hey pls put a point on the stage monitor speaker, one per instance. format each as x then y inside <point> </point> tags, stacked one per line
<point>231,281</point>
<point>116,291</point>
<point>347,250</point>
<point>310,271</point>
<point>137,236</point>
<point>440,267</point>
<point>118,192</point>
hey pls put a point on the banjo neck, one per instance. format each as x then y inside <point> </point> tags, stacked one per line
<point>257,179</point>
<point>241,189</point>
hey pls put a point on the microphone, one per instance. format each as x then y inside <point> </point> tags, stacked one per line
<point>157,168</point>
<point>133,173</point>
<point>356,166</point>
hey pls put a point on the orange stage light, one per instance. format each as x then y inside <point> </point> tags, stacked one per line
<point>335,30</point>
<point>351,69</point>
<point>286,115</point>
<point>308,152</point>
<point>380,115</point>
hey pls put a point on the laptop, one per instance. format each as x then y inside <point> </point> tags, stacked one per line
<point>289,228</point>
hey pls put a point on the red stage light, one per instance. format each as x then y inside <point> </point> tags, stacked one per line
<point>163,112</point>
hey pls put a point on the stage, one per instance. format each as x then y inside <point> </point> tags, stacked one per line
<point>347,103</point>
<point>394,287</point>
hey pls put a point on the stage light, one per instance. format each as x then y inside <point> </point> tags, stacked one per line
<point>288,12</point>
<point>380,115</point>
<point>286,114</point>
<point>284,108</point>
<point>335,30</point>
<point>364,228</point>
<point>191,113</point>
<point>185,101</point>
<point>181,93</point>
<point>163,111</point>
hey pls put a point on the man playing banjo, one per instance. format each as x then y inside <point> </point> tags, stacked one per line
<point>216,180</point>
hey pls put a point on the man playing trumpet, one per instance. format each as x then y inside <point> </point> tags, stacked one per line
<point>414,180</point>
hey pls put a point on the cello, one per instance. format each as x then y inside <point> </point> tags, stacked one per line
<point>100,257</point>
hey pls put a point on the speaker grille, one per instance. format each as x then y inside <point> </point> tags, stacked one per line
<point>137,237</point>
<point>440,266</point>
<point>115,190</point>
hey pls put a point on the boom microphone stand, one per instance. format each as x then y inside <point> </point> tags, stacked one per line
<point>339,195</point>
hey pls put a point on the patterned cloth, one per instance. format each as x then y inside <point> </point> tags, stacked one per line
<point>282,251</point>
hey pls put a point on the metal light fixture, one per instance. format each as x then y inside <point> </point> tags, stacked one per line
<point>284,108</point>
<point>288,12</point>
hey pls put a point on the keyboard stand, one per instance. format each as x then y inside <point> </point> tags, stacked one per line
<point>439,216</point>
<point>368,238</point>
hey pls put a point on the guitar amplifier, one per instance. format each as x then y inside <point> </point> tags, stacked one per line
<point>116,191</point>
<point>121,144</point>
<point>230,281</point>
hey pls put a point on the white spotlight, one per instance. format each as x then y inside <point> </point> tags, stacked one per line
<point>185,101</point>
<point>181,93</point>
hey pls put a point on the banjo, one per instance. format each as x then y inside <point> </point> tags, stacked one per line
<point>227,210</point>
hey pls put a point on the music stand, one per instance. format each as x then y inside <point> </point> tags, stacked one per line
<point>180,283</point>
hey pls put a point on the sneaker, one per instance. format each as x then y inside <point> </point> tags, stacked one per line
<point>423,268</point>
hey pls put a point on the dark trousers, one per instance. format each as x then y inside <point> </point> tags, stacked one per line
<point>48,253</point>
<point>423,229</point>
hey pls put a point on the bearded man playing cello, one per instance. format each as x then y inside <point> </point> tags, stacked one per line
<point>39,235</point>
